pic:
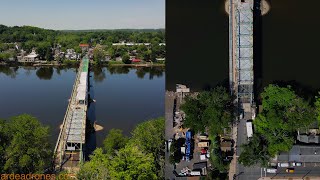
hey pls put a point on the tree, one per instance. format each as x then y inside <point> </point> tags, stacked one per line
<point>131,163</point>
<point>111,52</point>
<point>28,150</point>
<point>114,141</point>
<point>4,142</point>
<point>213,109</point>
<point>98,54</point>
<point>126,59</point>
<point>48,56</point>
<point>317,107</point>
<point>96,168</point>
<point>256,151</point>
<point>283,114</point>
<point>43,49</point>
<point>149,137</point>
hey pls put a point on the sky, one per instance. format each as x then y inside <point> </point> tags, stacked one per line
<point>84,14</point>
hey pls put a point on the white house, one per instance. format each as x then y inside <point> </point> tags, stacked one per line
<point>160,59</point>
<point>71,54</point>
<point>32,57</point>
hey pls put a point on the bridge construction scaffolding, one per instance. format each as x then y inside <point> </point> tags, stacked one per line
<point>70,144</point>
<point>241,51</point>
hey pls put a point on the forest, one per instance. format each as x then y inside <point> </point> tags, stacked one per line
<point>44,41</point>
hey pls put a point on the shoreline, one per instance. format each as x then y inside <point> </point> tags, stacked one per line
<point>76,64</point>
<point>138,65</point>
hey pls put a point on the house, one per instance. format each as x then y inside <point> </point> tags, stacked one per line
<point>71,54</point>
<point>160,59</point>
<point>84,47</point>
<point>108,58</point>
<point>135,60</point>
<point>130,44</point>
<point>119,44</point>
<point>310,134</point>
<point>32,57</point>
<point>182,88</point>
<point>200,166</point>
<point>20,55</point>
<point>132,57</point>
<point>226,146</point>
<point>119,58</point>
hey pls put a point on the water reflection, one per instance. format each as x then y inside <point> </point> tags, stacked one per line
<point>9,71</point>
<point>99,74</point>
<point>118,69</point>
<point>45,73</point>
<point>28,70</point>
<point>153,71</point>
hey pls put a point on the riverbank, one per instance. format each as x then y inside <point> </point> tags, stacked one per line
<point>75,63</point>
<point>138,65</point>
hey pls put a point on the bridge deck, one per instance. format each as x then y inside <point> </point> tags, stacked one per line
<point>69,146</point>
<point>241,49</point>
<point>241,71</point>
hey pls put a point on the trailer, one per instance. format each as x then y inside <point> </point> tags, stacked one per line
<point>249,128</point>
<point>188,145</point>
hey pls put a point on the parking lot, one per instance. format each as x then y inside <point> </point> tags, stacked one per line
<point>174,131</point>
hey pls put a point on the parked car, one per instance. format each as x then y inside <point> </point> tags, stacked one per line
<point>293,164</point>
<point>290,170</point>
<point>298,164</point>
<point>169,144</point>
<point>283,164</point>
<point>271,170</point>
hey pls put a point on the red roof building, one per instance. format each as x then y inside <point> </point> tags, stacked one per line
<point>84,45</point>
<point>135,60</point>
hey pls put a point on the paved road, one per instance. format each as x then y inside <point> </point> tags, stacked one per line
<point>298,172</point>
<point>245,173</point>
<point>256,172</point>
<point>169,99</point>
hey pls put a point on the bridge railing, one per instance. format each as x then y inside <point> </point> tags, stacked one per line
<point>66,120</point>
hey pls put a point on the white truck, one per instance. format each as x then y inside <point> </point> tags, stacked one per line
<point>249,128</point>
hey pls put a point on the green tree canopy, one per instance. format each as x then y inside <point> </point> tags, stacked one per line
<point>212,109</point>
<point>126,59</point>
<point>136,159</point>
<point>149,137</point>
<point>96,168</point>
<point>28,150</point>
<point>132,163</point>
<point>256,151</point>
<point>114,141</point>
<point>283,114</point>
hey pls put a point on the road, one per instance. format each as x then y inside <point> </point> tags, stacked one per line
<point>256,172</point>
<point>245,173</point>
<point>169,102</point>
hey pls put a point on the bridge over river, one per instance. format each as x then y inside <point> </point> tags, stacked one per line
<point>70,146</point>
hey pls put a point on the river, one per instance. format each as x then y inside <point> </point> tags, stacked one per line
<point>197,48</point>
<point>124,96</point>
